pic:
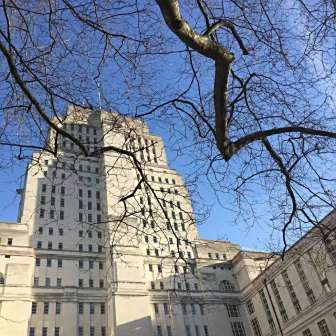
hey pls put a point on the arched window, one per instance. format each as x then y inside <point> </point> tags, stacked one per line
<point>226,286</point>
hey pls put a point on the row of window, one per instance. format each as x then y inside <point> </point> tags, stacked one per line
<point>184,307</point>
<point>172,214</point>
<point>58,307</point>
<point>80,128</point>
<point>9,241</point>
<point>171,240</point>
<point>163,202</point>
<point>292,294</point>
<point>56,332</point>
<point>162,189</point>
<point>159,331</point>
<point>217,256</point>
<point>52,215</point>
<point>51,231</point>
<point>58,284</point>
<point>179,286</point>
<point>71,166</point>
<point>181,254</point>
<point>62,203</point>
<point>159,179</point>
<point>168,225</point>
<point>81,263</point>
<point>176,268</point>
<point>39,245</point>
<point>89,205</point>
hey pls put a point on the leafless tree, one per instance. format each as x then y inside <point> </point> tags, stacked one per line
<point>246,86</point>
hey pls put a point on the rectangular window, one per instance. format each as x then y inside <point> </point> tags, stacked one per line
<point>58,308</point>
<point>250,306</point>
<point>279,301</point>
<point>233,310</point>
<point>80,331</point>
<point>102,308</point>
<point>80,308</point>
<point>103,331</point>
<point>238,329</point>
<point>92,331</point>
<point>47,282</point>
<point>306,332</point>
<point>256,327</point>
<point>34,308</point>
<point>46,308</point>
<point>169,331</point>
<point>206,330</point>
<point>44,331</point>
<point>267,310</point>
<point>92,308</point>
<point>323,327</point>
<point>59,282</point>
<point>291,291</point>
<point>31,331</point>
<point>36,282</point>
<point>305,282</point>
<point>61,215</point>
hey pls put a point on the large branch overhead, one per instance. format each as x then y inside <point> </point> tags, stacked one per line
<point>223,58</point>
<point>211,49</point>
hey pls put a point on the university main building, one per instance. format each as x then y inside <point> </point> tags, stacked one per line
<point>106,245</point>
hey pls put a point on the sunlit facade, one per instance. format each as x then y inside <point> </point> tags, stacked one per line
<point>106,245</point>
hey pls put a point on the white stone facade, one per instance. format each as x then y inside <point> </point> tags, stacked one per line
<point>106,245</point>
